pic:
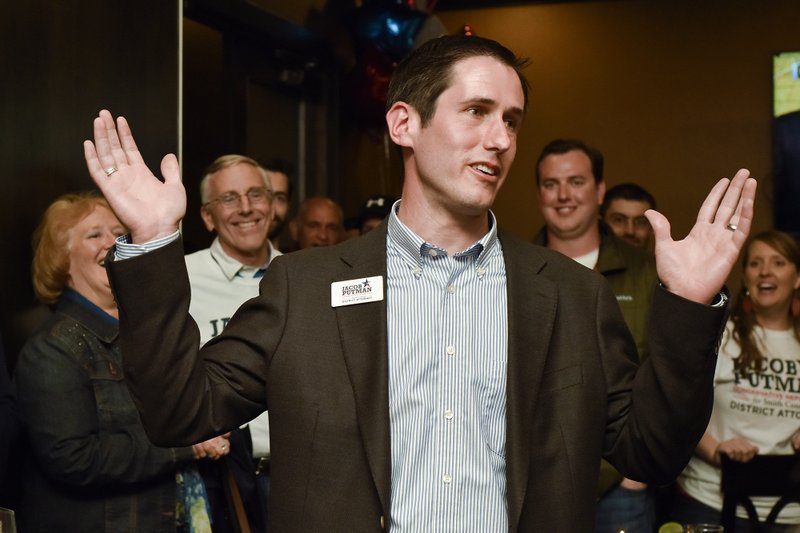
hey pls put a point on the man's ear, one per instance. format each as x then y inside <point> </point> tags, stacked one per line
<point>601,192</point>
<point>402,121</point>
<point>208,220</point>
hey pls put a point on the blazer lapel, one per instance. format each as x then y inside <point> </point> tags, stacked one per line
<point>532,303</point>
<point>362,328</point>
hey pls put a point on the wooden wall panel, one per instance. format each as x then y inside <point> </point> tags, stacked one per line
<point>61,62</point>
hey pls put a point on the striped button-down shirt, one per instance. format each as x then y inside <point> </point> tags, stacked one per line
<point>448,352</point>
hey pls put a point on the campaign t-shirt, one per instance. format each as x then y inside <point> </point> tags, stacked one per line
<point>763,408</point>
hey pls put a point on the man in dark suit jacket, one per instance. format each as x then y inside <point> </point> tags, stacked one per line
<point>328,372</point>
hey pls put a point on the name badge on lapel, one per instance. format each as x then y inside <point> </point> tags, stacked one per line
<point>357,291</point>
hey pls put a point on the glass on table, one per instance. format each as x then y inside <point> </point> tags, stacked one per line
<point>703,528</point>
<point>7,522</point>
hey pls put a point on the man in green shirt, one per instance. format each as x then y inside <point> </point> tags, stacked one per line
<point>569,175</point>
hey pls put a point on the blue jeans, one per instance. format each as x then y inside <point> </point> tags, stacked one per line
<point>625,509</point>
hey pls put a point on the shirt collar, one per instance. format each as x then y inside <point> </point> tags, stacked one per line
<point>231,267</point>
<point>413,248</point>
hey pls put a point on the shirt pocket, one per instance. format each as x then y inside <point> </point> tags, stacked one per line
<point>492,387</point>
<point>115,406</point>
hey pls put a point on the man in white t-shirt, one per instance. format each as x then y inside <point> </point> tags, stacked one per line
<point>236,195</point>
<point>569,175</point>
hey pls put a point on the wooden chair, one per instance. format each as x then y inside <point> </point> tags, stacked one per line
<point>764,475</point>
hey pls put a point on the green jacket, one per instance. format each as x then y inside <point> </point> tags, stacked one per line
<point>632,275</point>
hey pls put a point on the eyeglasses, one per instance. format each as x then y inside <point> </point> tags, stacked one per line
<point>256,195</point>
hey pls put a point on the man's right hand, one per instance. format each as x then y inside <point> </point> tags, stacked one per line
<point>149,208</point>
<point>213,449</point>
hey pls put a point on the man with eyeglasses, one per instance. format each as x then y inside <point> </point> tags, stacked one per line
<point>237,203</point>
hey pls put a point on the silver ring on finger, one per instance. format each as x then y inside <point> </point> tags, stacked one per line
<point>110,170</point>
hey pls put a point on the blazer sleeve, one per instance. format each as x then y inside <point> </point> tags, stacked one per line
<point>184,394</point>
<point>655,420</point>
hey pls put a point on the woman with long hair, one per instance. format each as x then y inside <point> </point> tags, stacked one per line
<point>756,382</point>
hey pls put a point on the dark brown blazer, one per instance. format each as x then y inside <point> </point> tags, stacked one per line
<point>574,392</point>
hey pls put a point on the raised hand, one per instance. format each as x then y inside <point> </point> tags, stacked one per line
<point>148,207</point>
<point>697,266</point>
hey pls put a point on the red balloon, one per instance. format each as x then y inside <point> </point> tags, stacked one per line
<point>370,83</point>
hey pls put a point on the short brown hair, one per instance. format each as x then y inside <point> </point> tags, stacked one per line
<point>50,269</point>
<point>427,72</point>
<point>562,146</point>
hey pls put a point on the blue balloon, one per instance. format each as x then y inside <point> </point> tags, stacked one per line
<point>389,25</point>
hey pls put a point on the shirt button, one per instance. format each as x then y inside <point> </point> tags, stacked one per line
<point>447,479</point>
<point>433,253</point>
<point>451,289</point>
<point>451,350</point>
<point>448,414</point>
<point>383,525</point>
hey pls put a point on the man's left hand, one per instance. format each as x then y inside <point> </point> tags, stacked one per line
<point>696,267</point>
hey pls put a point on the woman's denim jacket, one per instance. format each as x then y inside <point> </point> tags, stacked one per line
<point>91,466</point>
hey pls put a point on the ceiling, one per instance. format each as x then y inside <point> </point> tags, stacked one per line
<point>454,5</point>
